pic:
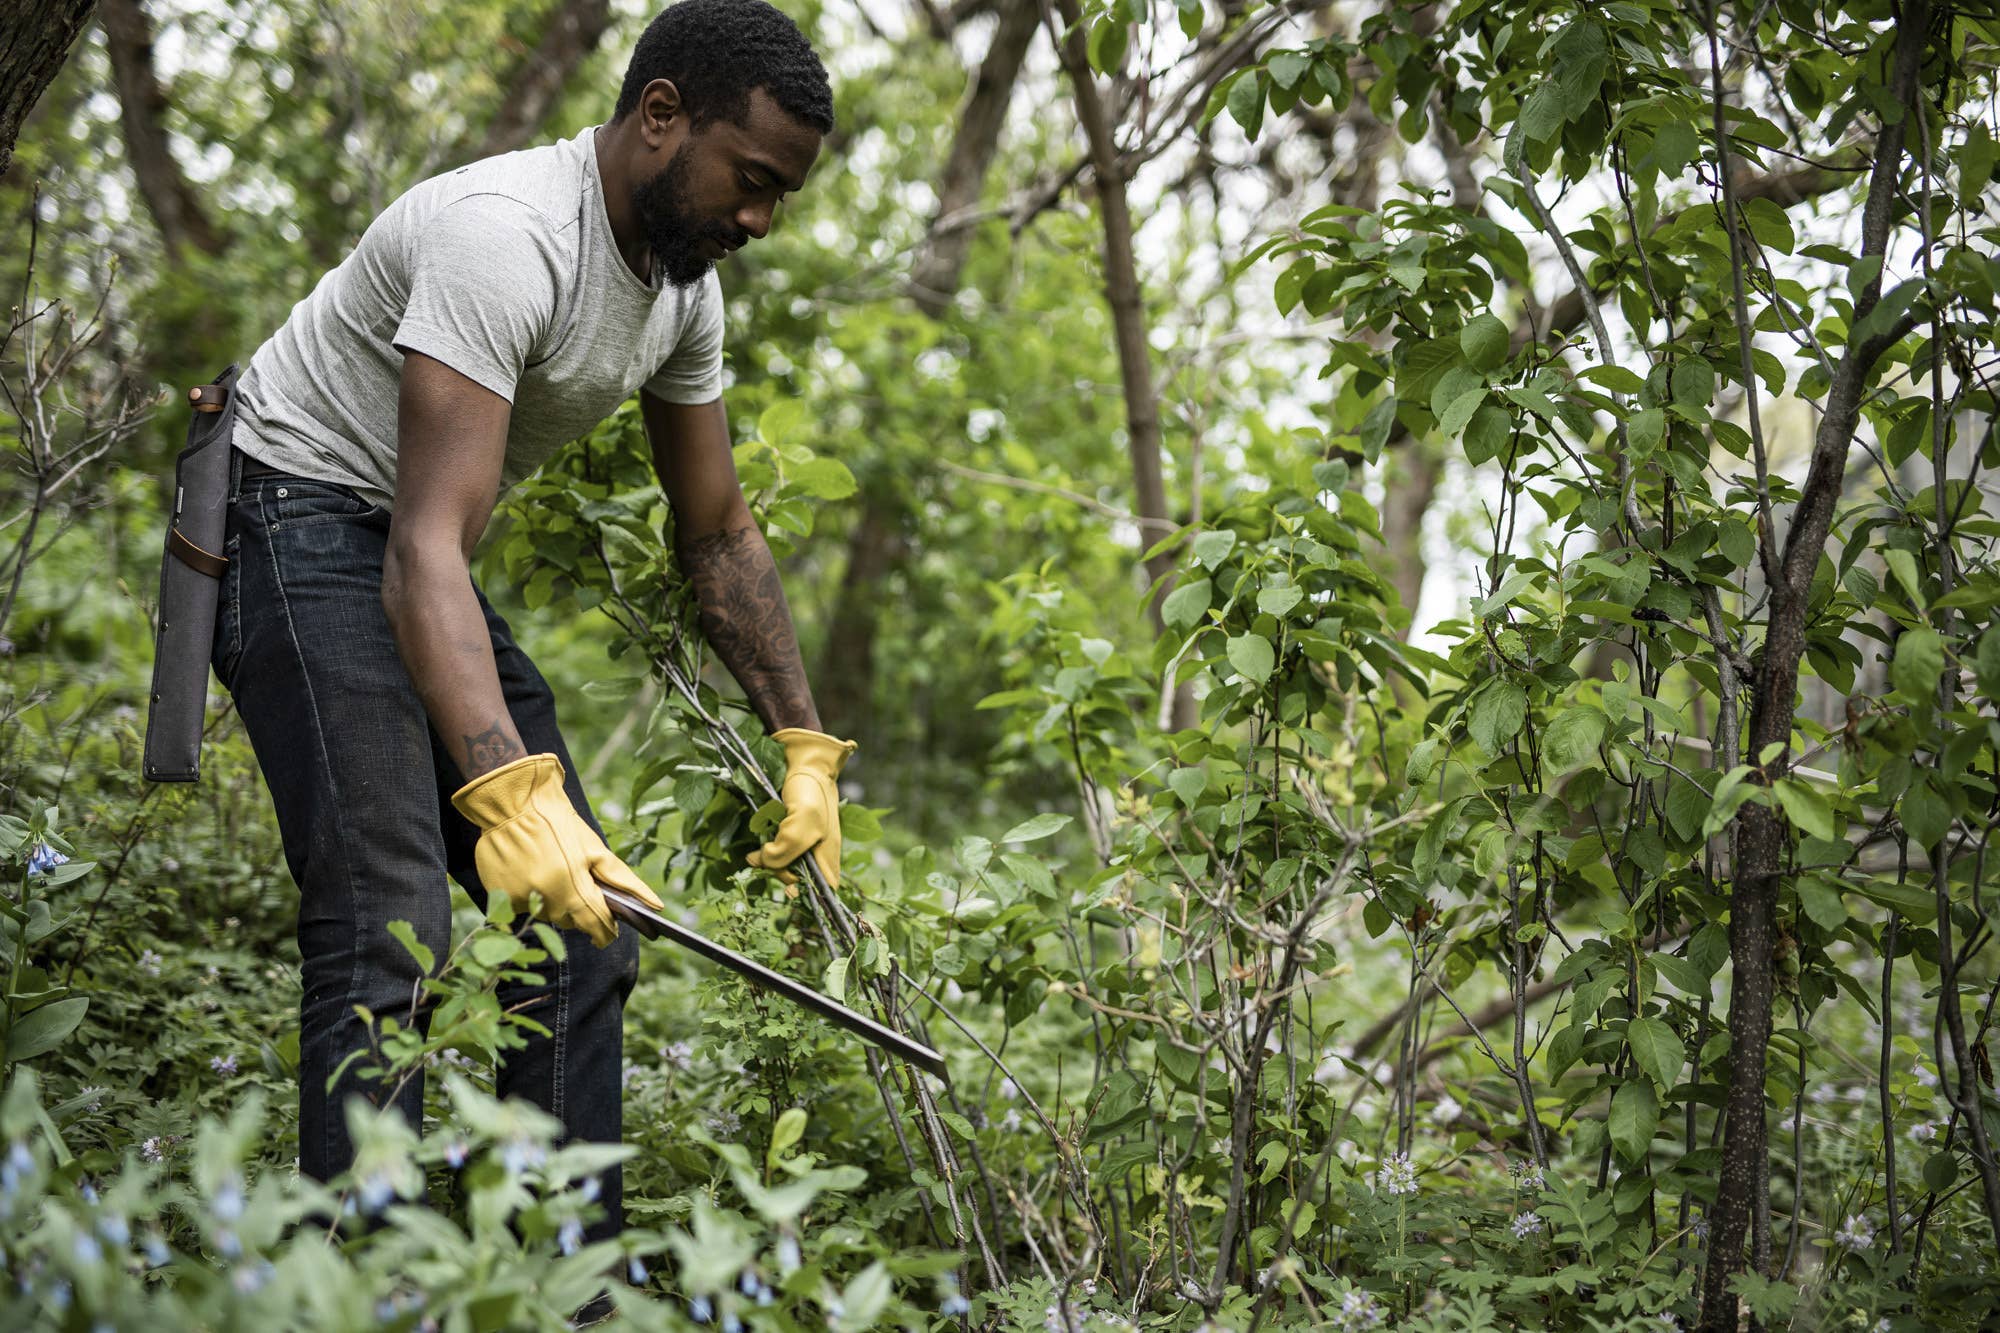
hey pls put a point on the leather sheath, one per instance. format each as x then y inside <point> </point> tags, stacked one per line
<point>191,571</point>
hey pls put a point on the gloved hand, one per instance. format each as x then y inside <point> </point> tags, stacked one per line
<point>813,760</point>
<point>533,839</point>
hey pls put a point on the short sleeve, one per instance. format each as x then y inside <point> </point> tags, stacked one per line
<point>692,372</point>
<point>482,289</point>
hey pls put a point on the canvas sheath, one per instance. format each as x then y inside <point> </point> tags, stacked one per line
<point>191,570</point>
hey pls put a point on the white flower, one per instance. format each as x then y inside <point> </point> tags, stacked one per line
<point>153,1149</point>
<point>1447,1109</point>
<point>1359,1310</point>
<point>1397,1176</point>
<point>724,1123</point>
<point>1855,1233</point>
<point>679,1054</point>
<point>1527,1176</point>
<point>1008,1090</point>
<point>1925,1076</point>
<point>1923,1133</point>
<point>1526,1225</point>
<point>149,963</point>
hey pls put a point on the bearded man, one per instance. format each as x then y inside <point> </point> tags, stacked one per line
<point>487,317</point>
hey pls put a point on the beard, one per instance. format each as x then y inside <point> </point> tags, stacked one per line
<point>661,201</point>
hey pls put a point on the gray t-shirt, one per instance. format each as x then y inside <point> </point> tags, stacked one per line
<point>505,270</point>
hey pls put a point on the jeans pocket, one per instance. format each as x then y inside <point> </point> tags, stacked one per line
<point>298,502</point>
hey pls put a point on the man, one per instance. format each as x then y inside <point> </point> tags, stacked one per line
<point>487,317</point>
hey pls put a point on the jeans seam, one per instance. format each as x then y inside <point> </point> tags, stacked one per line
<point>562,1036</point>
<point>326,762</point>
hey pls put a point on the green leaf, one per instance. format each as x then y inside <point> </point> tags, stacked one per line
<point>1185,604</point>
<point>405,932</point>
<point>1635,1114</point>
<point>494,948</point>
<point>1685,975</point>
<point>865,1296</point>
<point>1423,761</point>
<point>1487,433</point>
<point>1687,807</point>
<point>1484,340</point>
<point>1252,656</point>
<point>41,1030</point>
<point>1674,146</point>
<point>1570,742</point>
<point>1918,665</point>
<point>1041,826</point>
<point>1807,808</point>
<point>1904,566</point>
<point>1246,102</point>
<point>1645,430</point>
<point>1924,813</point>
<point>1940,1171</point>
<point>1693,384</point>
<point>1822,903</point>
<point>1288,67</point>
<point>1497,715</point>
<point>1277,601</point>
<point>1188,784</point>
<point>1106,47</point>
<point>1211,547</point>
<point>1975,164</point>
<point>791,1127</point>
<point>1657,1049</point>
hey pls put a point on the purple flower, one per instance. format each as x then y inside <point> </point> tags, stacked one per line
<point>223,1064</point>
<point>44,859</point>
<point>454,1154</point>
<point>570,1236</point>
<point>1856,1233</point>
<point>635,1272</point>
<point>376,1191</point>
<point>1526,1225</point>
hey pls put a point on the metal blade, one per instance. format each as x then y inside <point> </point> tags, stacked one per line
<point>654,927</point>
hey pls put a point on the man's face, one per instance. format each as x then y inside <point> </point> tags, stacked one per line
<point>720,188</point>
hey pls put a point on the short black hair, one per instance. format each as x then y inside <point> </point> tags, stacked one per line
<point>716,51</point>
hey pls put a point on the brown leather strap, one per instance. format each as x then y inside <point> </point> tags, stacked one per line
<point>208,397</point>
<point>202,562</point>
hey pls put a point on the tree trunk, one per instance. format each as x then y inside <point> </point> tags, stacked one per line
<point>1742,1190</point>
<point>573,32</point>
<point>35,38</point>
<point>142,106</point>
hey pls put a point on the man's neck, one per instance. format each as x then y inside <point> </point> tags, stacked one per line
<point>626,232</point>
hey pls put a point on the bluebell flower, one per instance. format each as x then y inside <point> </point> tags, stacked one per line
<point>731,1324</point>
<point>570,1236</point>
<point>518,1155</point>
<point>385,1310</point>
<point>590,1189</point>
<point>223,1064</point>
<point>376,1191</point>
<point>19,1158</point>
<point>788,1255</point>
<point>59,1295</point>
<point>700,1310</point>
<point>454,1154</point>
<point>226,1242</point>
<point>157,1253</point>
<point>252,1277</point>
<point>635,1272</point>
<point>954,1305</point>
<point>747,1283</point>
<point>44,859</point>
<point>86,1249</point>
<point>228,1204</point>
<point>114,1230</point>
<point>88,1191</point>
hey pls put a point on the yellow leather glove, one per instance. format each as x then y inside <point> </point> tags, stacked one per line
<point>533,840</point>
<point>813,760</point>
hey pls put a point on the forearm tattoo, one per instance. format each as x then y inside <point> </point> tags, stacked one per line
<point>746,620</point>
<point>491,748</point>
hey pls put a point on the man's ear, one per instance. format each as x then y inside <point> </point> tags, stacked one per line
<point>661,113</point>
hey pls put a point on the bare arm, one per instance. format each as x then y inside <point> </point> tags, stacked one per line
<point>744,615</point>
<point>451,441</point>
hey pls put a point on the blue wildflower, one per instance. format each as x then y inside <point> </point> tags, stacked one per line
<point>376,1191</point>
<point>700,1310</point>
<point>157,1253</point>
<point>954,1305</point>
<point>635,1272</point>
<point>454,1154</point>
<point>228,1204</point>
<point>592,1187</point>
<point>570,1236</point>
<point>86,1249</point>
<point>114,1230</point>
<point>747,1283</point>
<point>88,1191</point>
<point>223,1064</point>
<point>226,1242</point>
<point>518,1155</point>
<point>731,1324</point>
<point>385,1310</point>
<point>44,859</point>
<point>788,1255</point>
<point>59,1295</point>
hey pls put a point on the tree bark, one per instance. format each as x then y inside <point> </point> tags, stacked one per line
<point>573,32</point>
<point>35,38</point>
<point>1742,1191</point>
<point>142,106</point>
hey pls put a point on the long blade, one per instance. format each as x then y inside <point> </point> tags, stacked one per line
<point>654,926</point>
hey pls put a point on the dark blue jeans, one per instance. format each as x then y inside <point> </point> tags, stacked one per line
<point>363,786</point>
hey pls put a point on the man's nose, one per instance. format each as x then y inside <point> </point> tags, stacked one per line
<point>756,219</point>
